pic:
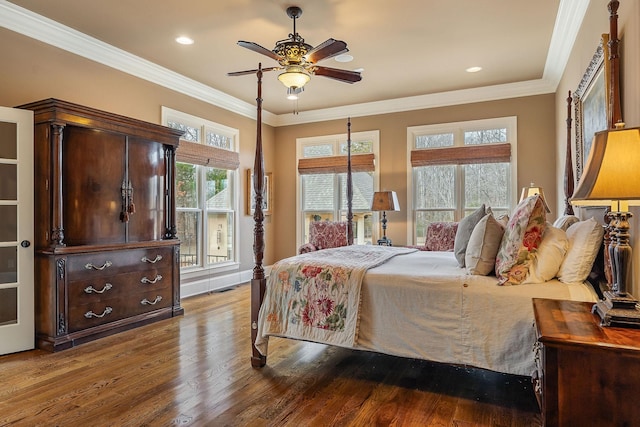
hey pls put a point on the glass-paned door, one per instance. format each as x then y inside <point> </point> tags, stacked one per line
<point>16,231</point>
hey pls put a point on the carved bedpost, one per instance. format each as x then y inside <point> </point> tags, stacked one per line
<point>258,282</point>
<point>615,108</point>
<point>349,187</point>
<point>568,165</point>
<point>615,116</point>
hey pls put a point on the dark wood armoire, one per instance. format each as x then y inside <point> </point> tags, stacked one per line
<point>107,256</point>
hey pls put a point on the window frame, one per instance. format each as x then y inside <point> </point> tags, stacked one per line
<point>203,268</point>
<point>336,140</point>
<point>458,129</point>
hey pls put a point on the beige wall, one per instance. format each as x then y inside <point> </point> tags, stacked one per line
<point>536,159</point>
<point>596,23</point>
<point>32,71</point>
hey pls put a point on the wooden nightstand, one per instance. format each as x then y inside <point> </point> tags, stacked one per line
<point>588,375</point>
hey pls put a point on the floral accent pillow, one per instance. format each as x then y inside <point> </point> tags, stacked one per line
<point>306,248</point>
<point>441,236</point>
<point>521,239</point>
<point>328,234</point>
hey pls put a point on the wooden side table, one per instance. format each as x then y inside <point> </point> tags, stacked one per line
<point>587,374</point>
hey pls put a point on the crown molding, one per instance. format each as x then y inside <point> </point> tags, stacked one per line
<point>442,99</point>
<point>38,27</point>
<point>568,22</point>
<point>569,19</point>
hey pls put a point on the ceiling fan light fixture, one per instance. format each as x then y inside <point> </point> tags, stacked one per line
<point>299,60</point>
<point>293,92</point>
<point>294,76</point>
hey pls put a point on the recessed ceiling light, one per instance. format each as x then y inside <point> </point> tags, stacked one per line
<point>184,40</point>
<point>473,69</point>
<point>345,57</point>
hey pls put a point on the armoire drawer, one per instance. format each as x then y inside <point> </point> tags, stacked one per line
<point>82,316</point>
<point>110,263</point>
<point>107,287</point>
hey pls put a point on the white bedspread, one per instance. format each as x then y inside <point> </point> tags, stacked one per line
<point>422,305</point>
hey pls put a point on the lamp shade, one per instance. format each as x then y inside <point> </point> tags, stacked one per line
<point>294,76</point>
<point>532,190</point>
<point>385,201</point>
<point>611,176</point>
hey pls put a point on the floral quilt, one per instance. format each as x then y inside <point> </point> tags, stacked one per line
<point>316,296</point>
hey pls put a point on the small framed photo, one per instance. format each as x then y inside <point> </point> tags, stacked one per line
<point>267,195</point>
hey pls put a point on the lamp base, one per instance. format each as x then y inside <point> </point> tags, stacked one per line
<point>615,310</point>
<point>385,241</point>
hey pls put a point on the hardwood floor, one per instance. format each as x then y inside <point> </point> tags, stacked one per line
<point>195,371</point>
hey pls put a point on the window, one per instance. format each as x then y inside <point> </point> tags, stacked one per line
<point>322,183</point>
<point>456,167</point>
<point>206,191</point>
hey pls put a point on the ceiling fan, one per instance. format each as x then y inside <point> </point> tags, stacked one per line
<point>299,59</point>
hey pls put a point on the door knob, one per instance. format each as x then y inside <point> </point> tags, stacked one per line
<point>25,243</point>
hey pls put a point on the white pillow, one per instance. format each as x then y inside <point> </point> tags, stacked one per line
<point>585,238</point>
<point>566,221</point>
<point>549,256</point>
<point>484,242</point>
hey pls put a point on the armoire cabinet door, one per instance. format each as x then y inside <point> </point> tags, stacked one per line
<point>147,172</point>
<point>93,170</point>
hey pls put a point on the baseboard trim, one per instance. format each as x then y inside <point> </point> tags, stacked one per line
<point>217,283</point>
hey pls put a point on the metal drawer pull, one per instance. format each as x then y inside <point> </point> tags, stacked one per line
<point>93,267</point>
<point>90,314</point>
<point>90,289</point>
<point>151,282</point>
<point>154,302</point>
<point>151,261</point>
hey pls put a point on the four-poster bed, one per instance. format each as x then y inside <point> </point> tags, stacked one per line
<point>437,311</point>
<point>418,304</point>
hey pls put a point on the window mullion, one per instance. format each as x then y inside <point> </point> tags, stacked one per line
<point>460,193</point>
<point>459,178</point>
<point>337,196</point>
<point>202,207</point>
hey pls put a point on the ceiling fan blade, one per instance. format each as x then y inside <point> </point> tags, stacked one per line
<point>245,72</point>
<point>334,73</point>
<point>257,48</point>
<point>326,49</point>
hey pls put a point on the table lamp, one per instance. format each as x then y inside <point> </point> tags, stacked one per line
<point>532,190</point>
<point>385,201</point>
<point>611,178</point>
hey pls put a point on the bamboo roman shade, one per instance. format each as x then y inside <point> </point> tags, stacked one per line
<point>336,164</point>
<point>206,155</point>
<point>484,153</point>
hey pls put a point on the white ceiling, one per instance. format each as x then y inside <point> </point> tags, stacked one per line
<point>413,52</point>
